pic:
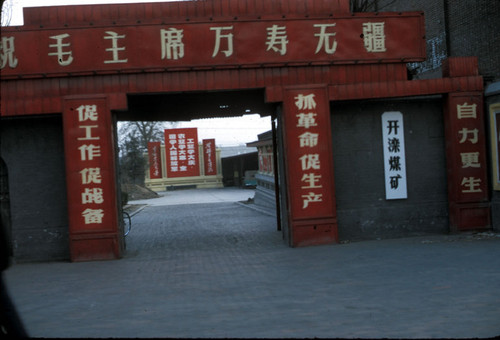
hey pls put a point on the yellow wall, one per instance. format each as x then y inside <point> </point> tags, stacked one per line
<point>202,181</point>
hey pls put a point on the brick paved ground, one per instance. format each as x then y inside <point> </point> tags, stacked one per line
<point>221,270</point>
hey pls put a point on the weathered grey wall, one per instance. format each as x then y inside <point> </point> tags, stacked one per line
<point>457,28</point>
<point>435,32</point>
<point>363,212</point>
<point>473,29</point>
<point>33,151</point>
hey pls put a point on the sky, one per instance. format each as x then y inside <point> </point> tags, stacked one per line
<point>226,131</point>
<point>17,5</point>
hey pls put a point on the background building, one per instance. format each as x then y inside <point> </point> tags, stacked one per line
<point>453,28</point>
<point>265,193</point>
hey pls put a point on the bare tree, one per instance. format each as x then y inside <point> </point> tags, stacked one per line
<point>362,5</point>
<point>133,143</point>
<point>370,5</point>
<point>144,132</point>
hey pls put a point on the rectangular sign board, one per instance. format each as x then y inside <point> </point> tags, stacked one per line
<point>181,148</point>
<point>389,37</point>
<point>393,138</point>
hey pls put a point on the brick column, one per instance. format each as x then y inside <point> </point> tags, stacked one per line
<point>309,167</point>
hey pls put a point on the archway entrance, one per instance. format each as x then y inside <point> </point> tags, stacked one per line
<point>180,111</point>
<point>204,193</point>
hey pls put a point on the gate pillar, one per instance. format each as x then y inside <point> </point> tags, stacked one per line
<point>468,198</point>
<point>308,157</point>
<point>90,178</point>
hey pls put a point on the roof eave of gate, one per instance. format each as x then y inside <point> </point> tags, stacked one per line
<point>175,11</point>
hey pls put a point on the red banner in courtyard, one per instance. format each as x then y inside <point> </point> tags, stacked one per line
<point>181,148</point>
<point>154,152</point>
<point>210,164</point>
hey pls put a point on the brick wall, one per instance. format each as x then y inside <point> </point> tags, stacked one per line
<point>434,32</point>
<point>34,154</point>
<point>473,30</point>
<point>363,212</point>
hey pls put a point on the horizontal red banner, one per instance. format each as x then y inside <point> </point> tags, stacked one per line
<point>367,38</point>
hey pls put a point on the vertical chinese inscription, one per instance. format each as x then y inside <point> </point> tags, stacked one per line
<point>309,154</point>
<point>466,162</point>
<point>92,196</point>
<point>470,148</point>
<point>394,155</point>
<point>89,167</point>
<point>209,153</point>
<point>90,182</point>
<point>309,161</point>
<point>155,168</point>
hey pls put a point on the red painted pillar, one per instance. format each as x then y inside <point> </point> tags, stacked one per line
<point>209,157</point>
<point>468,198</point>
<point>312,216</point>
<point>90,179</point>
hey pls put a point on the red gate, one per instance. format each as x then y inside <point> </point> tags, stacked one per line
<point>82,62</point>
